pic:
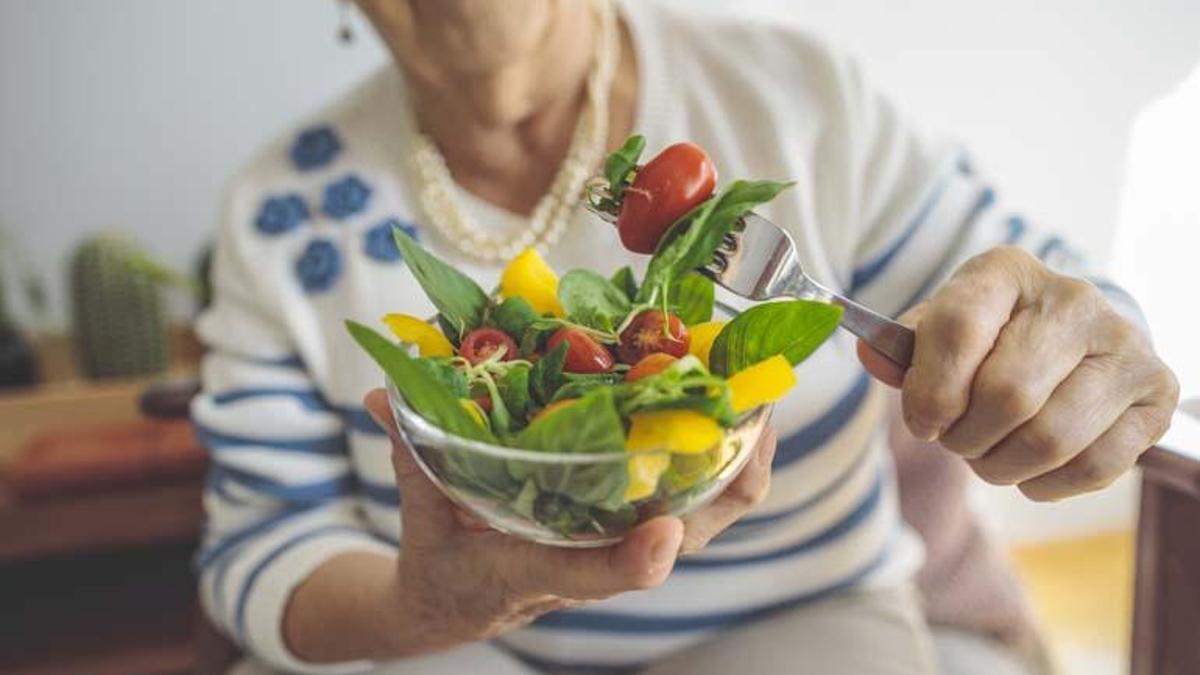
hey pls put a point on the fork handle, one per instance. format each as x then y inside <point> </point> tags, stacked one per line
<point>888,337</point>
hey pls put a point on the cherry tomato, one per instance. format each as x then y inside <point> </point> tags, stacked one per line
<point>482,343</point>
<point>653,364</point>
<point>584,355</point>
<point>677,180</point>
<point>645,335</point>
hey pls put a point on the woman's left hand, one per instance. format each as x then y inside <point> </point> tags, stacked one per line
<point>1032,376</point>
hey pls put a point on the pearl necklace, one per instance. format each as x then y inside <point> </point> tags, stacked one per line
<point>543,228</point>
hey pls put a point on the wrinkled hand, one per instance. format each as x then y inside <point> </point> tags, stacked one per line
<point>1032,376</point>
<point>468,582</point>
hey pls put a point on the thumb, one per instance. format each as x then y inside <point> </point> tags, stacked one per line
<point>423,507</point>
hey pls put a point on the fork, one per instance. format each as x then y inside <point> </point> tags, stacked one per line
<point>758,262</point>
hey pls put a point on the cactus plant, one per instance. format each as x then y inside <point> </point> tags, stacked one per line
<point>119,321</point>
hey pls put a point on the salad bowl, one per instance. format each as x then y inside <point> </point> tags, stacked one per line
<point>544,496</point>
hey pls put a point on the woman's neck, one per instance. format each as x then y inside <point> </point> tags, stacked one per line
<point>500,86</point>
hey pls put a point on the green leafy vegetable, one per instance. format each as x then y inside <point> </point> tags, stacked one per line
<point>591,300</point>
<point>590,425</point>
<point>423,392</point>
<point>514,316</point>
<point>578,384</point>
<point>794,328</point>
<point>460,302</point>
<point>547,374</point>
<point>690,243</point>
<point>626,281</point>
<point>692,298</point>
<point>514,389</point>
<point>442,371</point>
<point>620,164</point>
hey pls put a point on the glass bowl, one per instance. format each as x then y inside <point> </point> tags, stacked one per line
<point>571,500</point>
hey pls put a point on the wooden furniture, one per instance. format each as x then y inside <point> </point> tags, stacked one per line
<point>1166,623</point>
<point>96,542</point>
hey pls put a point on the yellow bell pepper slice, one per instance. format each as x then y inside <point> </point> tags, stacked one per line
<point>428,339</point>
<point>528,277</point>
<point>702,337</point>
<point>766,381</point>
<point>475,411</point>
<point>645,468</point>
<point>682,431</point>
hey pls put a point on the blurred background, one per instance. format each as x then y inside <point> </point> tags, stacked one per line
<point>122,120</point>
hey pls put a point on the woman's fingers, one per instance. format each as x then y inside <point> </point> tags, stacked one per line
<point>1087,403</point>
<point>1036,351</point>
<point>424,510</point>
<point>642,560</point>
<point>743,494</point>
<point>1105,460</point>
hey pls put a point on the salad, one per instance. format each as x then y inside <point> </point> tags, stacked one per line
<point>592,362</point>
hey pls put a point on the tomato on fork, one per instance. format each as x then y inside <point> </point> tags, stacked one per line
<point>676,181</point>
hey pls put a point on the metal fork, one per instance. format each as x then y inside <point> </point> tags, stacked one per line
<point>758,261</point>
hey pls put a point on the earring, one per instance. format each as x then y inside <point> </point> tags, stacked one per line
<point>345,31</point>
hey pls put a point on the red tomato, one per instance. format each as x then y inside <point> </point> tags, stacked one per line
<point>584,355</point>
<point>645,335</point>
<point>484,401</point>
<point>668,186</point>
<point>653,364</point>
<point>481,343</point>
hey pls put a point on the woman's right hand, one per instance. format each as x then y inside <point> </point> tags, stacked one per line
<point>463,582</point>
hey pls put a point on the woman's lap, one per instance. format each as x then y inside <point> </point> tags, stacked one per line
<point>866,632</point>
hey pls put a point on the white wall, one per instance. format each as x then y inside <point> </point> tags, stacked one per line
<point>132,113</point>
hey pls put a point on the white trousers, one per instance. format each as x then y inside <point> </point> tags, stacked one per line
<point>865,632</point>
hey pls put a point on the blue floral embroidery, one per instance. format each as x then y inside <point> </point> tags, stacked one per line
<point>315,147</point>
<point>281,214</point>
<point>345,197</point>
<point>381,245</point>
<point>319,266</point>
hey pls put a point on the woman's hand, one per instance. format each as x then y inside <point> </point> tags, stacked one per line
<point>1032,376</point>
<point>464,582</point>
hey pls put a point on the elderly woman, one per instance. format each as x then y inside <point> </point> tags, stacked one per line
<point>329,551</point>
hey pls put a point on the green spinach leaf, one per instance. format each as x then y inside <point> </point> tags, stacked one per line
<point>693,298</point>
<point>460,302</point>
<point>514,316</point>
<point>621,164</point>
<point>441,370</point>
<point>591,300</point>
<point>547,374</point>
<point>794,328</point>
<point>690,243</point>
<point>514,389</point>
<point>422,391</point>
<point>626,281</point>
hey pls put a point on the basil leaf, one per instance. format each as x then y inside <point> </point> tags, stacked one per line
<point>514,389</point>
<point>794,328</point>
<point>578,384</point>
<point>449,330</point>
<point>441,370</point>
<point>621,163</point>
<point>590,425</point>
<point>423,392</point>
<point>459,300</point>
<point>591,300</point>
<point>690,243</point>
<point>514,316</point>
<point>546,376</point>
<point>626,281</point>
<point>693,298</point>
